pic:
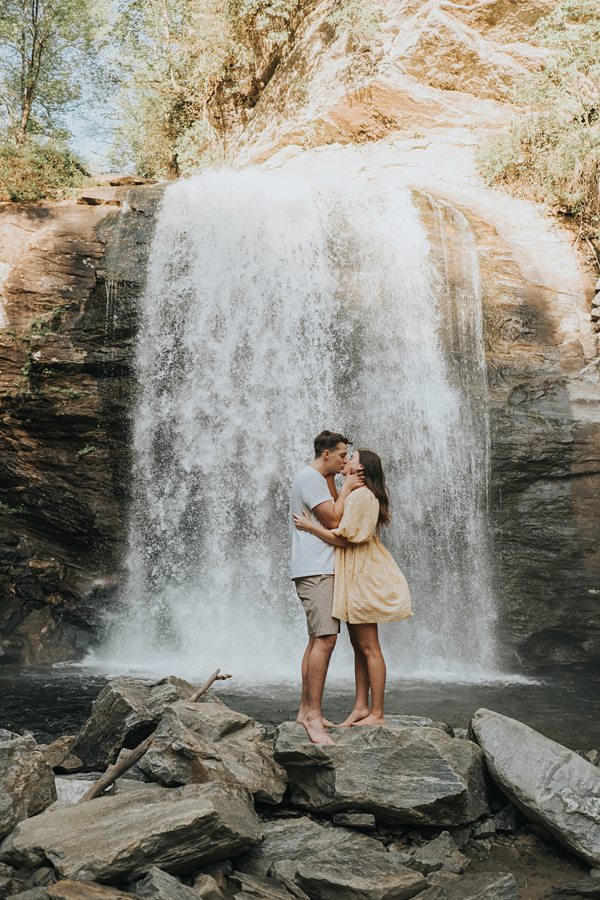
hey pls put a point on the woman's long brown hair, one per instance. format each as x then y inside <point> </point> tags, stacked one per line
<point>375,481</point>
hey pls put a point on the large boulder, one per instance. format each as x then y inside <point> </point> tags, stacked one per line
<point>548,782</point>
<point>328,863</point>
<point>114,839</point>
<point>125,712</point>
<point>199,742</point>
<point>402,774</point>
<point>26,780</point>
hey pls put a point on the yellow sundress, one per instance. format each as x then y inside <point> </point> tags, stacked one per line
<point>368,586</point>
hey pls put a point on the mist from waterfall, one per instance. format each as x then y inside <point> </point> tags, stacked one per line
<point>276,307</point>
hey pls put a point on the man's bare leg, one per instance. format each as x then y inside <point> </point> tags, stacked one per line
<point>361,676</point>
<point>304,695</point>
<point>368,639</point>
<point>318,664</point>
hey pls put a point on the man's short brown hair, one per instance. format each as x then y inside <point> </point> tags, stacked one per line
<point>328,440</point>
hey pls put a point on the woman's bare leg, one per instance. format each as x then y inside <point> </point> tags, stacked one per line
<point>361,677</point>
<point>367,638</point>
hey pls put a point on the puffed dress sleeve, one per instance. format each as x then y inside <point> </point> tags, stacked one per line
<point>359,521</point>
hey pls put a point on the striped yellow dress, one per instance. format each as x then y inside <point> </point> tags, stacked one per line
<point>368,586</point>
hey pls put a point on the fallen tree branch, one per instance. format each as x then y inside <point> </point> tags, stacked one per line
<point>216,676</point>
<point>113,772</point>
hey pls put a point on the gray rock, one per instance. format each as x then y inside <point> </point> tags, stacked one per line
<point>497,886</point>
<point>329,862</point>
<point>37,893</point>
<point>586,887</point>
<point>85,890</point>
<point>400,774</point>
<point>549,783</point>
<point>26,780</point>
<point>207,888</point>
<point>359,821</point>
<point>58,755</point>
<point>439,853</point>
<point>10,886</point>
<point>358,879</point>
<point>119,838</point>
<point>418,722</point>
<point>125,712</point>
<point>199,742</point>
<point>259,887</point>
<point>159,885</point>
<point>507,819</point>
<point>483,829</point>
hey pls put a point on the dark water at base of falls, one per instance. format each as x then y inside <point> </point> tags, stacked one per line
<point>54,702</point>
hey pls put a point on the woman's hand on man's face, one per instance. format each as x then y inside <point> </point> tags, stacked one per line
<point>355,480</point>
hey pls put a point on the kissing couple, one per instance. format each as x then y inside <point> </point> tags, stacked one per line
<point>342,571</point>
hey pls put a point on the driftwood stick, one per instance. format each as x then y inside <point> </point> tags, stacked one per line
<point>114,772</point>
<point>119,768</point>
<point>216,676</point>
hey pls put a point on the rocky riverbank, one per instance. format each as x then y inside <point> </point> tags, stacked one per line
<point>219,807</point>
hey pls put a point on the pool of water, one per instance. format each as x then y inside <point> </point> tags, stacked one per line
<point>565,707</point>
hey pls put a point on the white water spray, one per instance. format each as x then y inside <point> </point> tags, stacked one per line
<point>277,307</point>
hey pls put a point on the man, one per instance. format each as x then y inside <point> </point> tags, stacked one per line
<point>313,491</point>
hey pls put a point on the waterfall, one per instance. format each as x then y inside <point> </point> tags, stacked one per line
<point>276,307</point>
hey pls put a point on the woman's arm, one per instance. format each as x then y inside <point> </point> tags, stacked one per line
<point>304,523</point>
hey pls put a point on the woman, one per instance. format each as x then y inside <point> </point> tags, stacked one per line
<point>368,587</point>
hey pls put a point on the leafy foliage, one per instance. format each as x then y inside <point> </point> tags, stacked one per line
<point>358,19</point>
<point>552,151</point>
<point>45,50</point>
<point>187,69</point>
<point>34,172</point>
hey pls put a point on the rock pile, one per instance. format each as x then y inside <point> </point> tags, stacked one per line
<point>215,810</point>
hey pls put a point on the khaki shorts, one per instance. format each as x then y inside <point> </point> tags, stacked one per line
<point>316,595</point>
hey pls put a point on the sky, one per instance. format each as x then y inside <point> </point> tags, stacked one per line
<point>92,126</point>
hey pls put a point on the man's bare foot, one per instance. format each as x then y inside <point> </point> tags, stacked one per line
<point>316,731</point>
<point>370,720</point>
<point>302,716</point>
<point>355,716</point>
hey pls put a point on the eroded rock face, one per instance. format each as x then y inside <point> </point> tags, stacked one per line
<point>548,782</point>
<point>400,774</point>
<point>198,742</point>
<point>26,780</point>
<point>114,839</point>
<point>67,324</point>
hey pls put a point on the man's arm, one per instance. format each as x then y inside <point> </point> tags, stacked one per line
<point>330,512</point>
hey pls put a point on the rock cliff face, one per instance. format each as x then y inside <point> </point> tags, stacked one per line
<point>411,106</point>
<point>74,272</point>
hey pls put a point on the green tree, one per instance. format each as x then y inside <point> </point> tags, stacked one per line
<point>187,69</point>
<point>46,48</point>
<point>551,153</point>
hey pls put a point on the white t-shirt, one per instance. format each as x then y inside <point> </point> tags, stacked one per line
<point>310,555</point>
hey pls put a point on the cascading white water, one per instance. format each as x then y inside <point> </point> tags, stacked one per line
<point>277,307</point>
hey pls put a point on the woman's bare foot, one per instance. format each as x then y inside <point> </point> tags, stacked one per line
<point>370,720</point>
<point>329,724</point>
<point>316,731</point>
<point>355,716</point>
